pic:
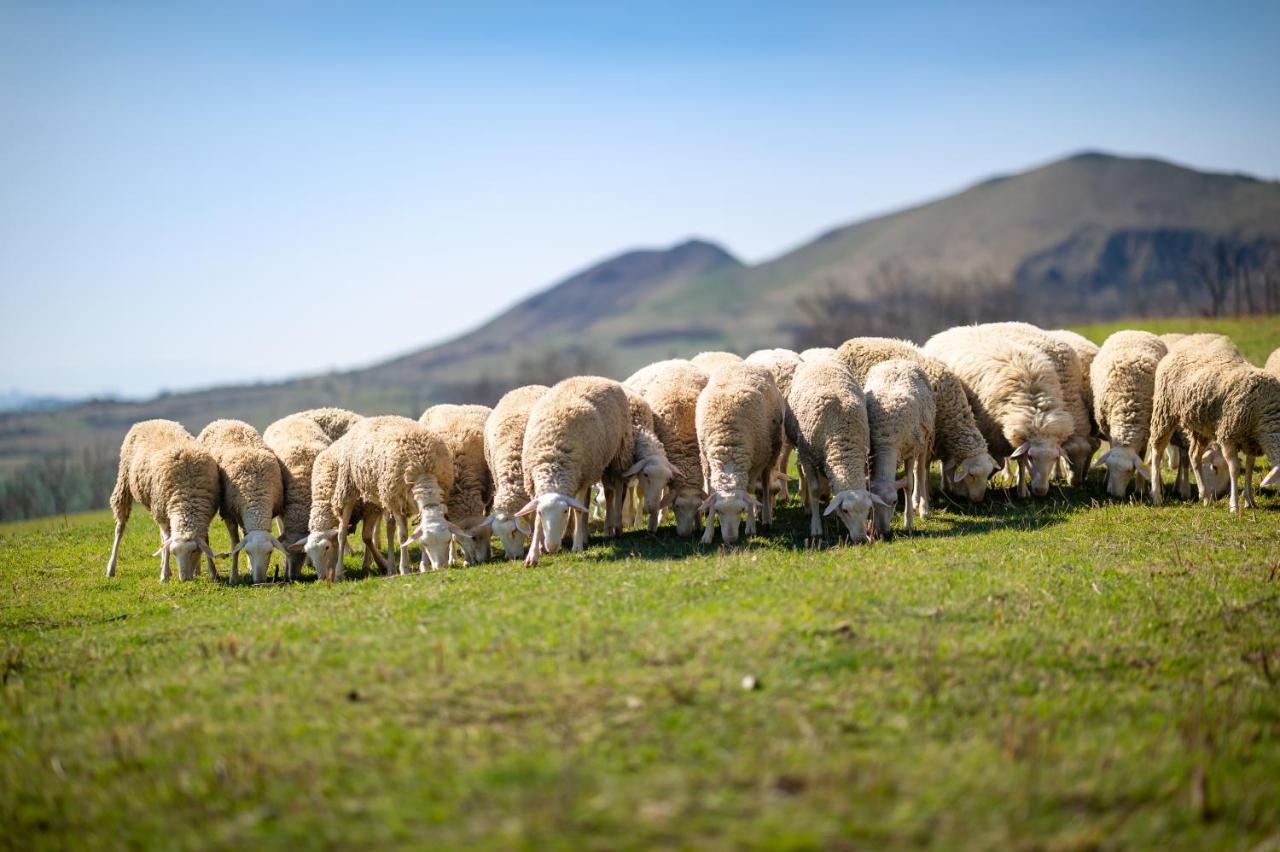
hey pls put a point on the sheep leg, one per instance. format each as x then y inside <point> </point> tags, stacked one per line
<point>121,506</point>
<point>766,510</point>
<point>392,541</point>
<point>164,555</point>
<point>1195,450</point>
<point>535,542</point>
<point>815,508</point>
<point>1248,482</point>
<point>1024,474</point>
<point>1182,480</point>
<point>581,531</point>
<point>909,498</point>
<point>922,485</point>
<point>628,513</point>
<point>344,524</point>
<point>233,533</point>
<point>402,536</point>
<point>709,530</point>
<point>1233,470</point>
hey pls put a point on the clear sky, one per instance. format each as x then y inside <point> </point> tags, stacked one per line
<point>197,193</point>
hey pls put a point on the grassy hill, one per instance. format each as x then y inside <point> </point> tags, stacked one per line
<point>1089,237</point>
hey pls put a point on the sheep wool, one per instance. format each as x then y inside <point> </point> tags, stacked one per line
<point>334,422</point>
<point>957,441</point>
<point>176,480</point>
<point>504,453</point>
<point>826,421</point>
<point>1206,387</point>
<point>714,358</point>
<point>649,466</point>
<point>901,407</point>
<point>296,440</point>
<point>671,388</point>
<point>1015,396</point>
<point>738,420</point>
<point>251,492</point>
<point>1123,379</point>
<point>462,429</point>
<point>817,353</point>
<point>578,431</point>
<point>1273,362</point>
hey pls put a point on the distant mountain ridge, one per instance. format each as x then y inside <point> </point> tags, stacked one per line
<point>1098,236</point>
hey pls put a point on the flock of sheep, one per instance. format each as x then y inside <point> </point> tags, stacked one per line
<point>709,440</point>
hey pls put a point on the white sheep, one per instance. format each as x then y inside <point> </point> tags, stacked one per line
<point>739,425</point>
<point>671,388</point>
<point>957,442</point>
<point>782,364</point>
<point>334,422</point>
<point>176,480</point>
<point>504,453</point>
<point>649,466</point>
<point>901,407</point>
<point>817,353</point>
<point>1015,396</point>
<point>462,429</point>
<point>826,420</point>
<point>1273,362</point>
<point>1123,379</point>
<point>296,440</point>
<point>1206,387</point>
<point>714,358</point>
<point>251,492</point>
<point>577,432</point>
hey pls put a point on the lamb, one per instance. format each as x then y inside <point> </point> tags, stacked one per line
<point>176,480</point>
<point>650,467</point>
<point>901,407</point>
<point>738,420</point>
<point>1015,396</point>
<point>503,451</point>
<point>579,433</point>
<point>1273,362</point>
<point>251,489</point>
<point>462,429</point>
<point>1205,386</point>
<point>671,388</point>
<point>1123,378</point>
<point>396,465</point>
<point>1081,445</point>
<point>957,441</point>
<point>712,359</point>
<point>826,420</point>
<point>817,353</point>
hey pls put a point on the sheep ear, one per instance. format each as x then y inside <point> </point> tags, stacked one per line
<point>879,501</point>
<point>275,542</point>
<point>297,547</point>
<point>459,531</point>
<point>1021,451</point>
<point>832,506</point>
<point>1207,455</point>
<point>1103,460</point>
<point>574,504</point>
<point>529,508</point>
<point>164,545</point>
<point>208,551</point>
<point>959,473</point>
<point>1142,471</point>
<point>901,483</point>
<point>524,529</point>
<point>635,469</point>
<point>708,504</point>
<point>1272,479</point>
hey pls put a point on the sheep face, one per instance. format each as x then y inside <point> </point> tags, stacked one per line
<point>687,507</point>
<point>257,545</point>
<point>295,557</point>
<point>513,536</point>
<point>1041,457</point>
<point>885,498</point>
<point>475,544</point>
<point>853,507</point>
<point>1214,472</point>
<point>970,477</point>
<point>186,552</point>
<point>653,474</point>
<point>1078,449</point>
<point>436,536</point>
<point>322,549</point>
<point>1122,465</point>
<point>728,507</point>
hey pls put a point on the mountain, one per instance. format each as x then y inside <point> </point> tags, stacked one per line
<point>1092,236</point>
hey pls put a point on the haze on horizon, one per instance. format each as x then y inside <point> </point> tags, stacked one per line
<point>203,193</point>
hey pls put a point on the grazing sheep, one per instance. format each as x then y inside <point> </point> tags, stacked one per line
<point>1123,378</point>
<point>503,451</point>
<point>1015,396</point>
<point>1081,445</point>
<point>817,353</point>
<point>1086,351</point>
<point>900,412</point>
<point>579,433</point>
<point>826,420</point>
<point>176,480</point>
<point>334,422</point>
<point>738,420</point>
<point>1206,387</point>
<point>397,466</point>
<point>1273,362</point>
<point>671,388</point>
<point>296,440</point>
<point>782,364</point>
<point>462,429</point>
<point>957,441</point>
<point>710,360</point>
<point>251,489</point>
<point>650,467</point>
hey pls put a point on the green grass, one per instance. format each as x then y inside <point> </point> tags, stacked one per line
<point>1255,336</point>
<point>1062,673</point>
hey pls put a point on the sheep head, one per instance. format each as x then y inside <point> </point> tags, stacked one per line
<point>728,507</point>
<point>512,532</point>
<point>257,545</point>
<point>654,473</point>
<point>321,548</point>
<point>186,551</point>
<point>1041,457</point>
<point>970,477</point>
<point>853,506</point>
<point>686,503</point>
<point>551,512</point>
<point>885,494</point>
<point>1122,465</point>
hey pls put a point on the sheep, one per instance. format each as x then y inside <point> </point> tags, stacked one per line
<point>1081,445</point>
<point>1123,378</point>
<point>579,431</point>
<point>1273,362</point>
<point>503,451</point>
<point>334,422</point>
<point>817,353</point>
<point>296,440</point>
<point>738,420</point>
<point>395,465</point>
<point>1205,386</point>
<point>782,364</point>
<point>1086,351</point>
<point>1015,396</point>
<point>957,442</point>
<point>826,420</point>
<point>1171,338</point>
<point>462,429</point>
<point>176,480</point>
<point>712,359</point>
<point>251,489</point>
<point>901,407</point>
<point>650,467</point>
<point>671,388</point>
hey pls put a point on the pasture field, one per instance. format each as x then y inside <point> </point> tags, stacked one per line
<point>1060,673</point>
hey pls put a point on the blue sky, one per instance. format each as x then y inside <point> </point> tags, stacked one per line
<point>201,193</point>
